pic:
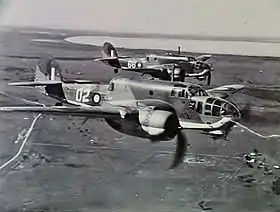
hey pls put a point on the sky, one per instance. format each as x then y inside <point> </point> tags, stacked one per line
<point>253,18</point>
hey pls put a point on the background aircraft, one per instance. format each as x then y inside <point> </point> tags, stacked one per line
<point>154,115</point>
<point>171,67</point>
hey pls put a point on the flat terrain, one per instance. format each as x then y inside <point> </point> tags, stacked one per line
<point>66,167</point>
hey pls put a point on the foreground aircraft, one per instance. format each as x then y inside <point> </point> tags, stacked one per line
<point>171,67</point>
<point>156,110</point>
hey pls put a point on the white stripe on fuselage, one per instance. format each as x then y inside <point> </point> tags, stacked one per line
<point>168,57</point>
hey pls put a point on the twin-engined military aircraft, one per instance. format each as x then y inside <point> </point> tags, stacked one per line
<point>170,67</point>
<point>153,109</point>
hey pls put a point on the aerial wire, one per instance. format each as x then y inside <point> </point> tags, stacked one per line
<point>256,133</point>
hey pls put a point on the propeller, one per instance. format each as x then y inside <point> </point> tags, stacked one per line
<point>209,75</point>
<point>246,112</point>
<point>181,148</point>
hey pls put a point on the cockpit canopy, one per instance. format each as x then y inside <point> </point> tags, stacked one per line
<point>151,58</point>
<point>195,90</point>
<point>187,91</point>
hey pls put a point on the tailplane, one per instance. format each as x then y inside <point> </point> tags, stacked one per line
<point>48,78</point>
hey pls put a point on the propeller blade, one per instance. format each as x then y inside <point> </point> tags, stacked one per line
<point>209,78</point>
<point>181,148</point>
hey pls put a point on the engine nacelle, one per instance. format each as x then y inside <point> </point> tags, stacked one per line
<point>159,122</point>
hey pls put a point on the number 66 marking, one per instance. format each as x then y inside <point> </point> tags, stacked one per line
<point>82,94</point>
<point>131,64</point>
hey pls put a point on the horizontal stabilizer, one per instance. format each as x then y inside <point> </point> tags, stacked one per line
<point>236,87</point>
<point>36,83</point>
<point>225,90</point>
<point>112,61</point>
<point>203,73</point>
<point>106,58</point>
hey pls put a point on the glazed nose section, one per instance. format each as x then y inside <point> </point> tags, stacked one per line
<point>229,109</point>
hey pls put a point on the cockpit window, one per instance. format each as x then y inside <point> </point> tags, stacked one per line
<point>182,93</point>
<point>179,92</point>
<point>229,109</point>
<point>218,102</point>
<point>216,110</point>
<point>219,107</point>
<point>210,100</point>
<point>199,107</point>
<point>196,91</point>
<point>186,94</point>
<point>207,107</point>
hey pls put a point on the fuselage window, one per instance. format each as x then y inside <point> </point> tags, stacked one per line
<point>207,107</point>
<point>216,110</point>
<point>181,93</point>
<point>192,104</point>
<point>186,94</point>
<point>111,86</point>
<point>172,92</point>
<point>199,107</point>
<point>210,100</point>
<point>218,102</point>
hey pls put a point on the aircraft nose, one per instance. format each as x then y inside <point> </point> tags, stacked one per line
<point>230,109</point>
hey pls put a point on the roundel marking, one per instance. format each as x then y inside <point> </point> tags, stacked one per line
<point>139,65</point>
<point>96,98</point>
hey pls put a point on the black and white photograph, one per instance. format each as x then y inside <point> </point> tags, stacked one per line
<point>127,106</point>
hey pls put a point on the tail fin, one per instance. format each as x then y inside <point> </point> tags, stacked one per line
<point>48,69</point>
<point>48,78</point>
<point>109,50</point>
<point>109,56</point>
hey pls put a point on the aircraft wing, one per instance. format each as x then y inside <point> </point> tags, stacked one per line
<point>225,91</point>
<point>35,83</point>
<point>91,112</point>
<point>105,58</point>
